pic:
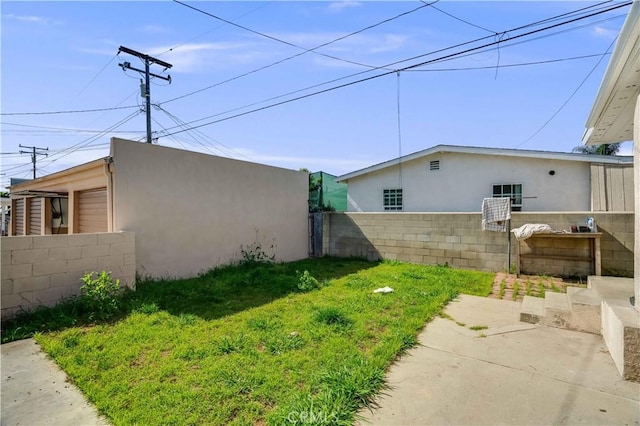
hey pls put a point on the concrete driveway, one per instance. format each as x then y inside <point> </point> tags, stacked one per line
<point>509,373</point>
<point>36,392</point>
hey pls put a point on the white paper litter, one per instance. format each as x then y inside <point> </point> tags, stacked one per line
<point>383,290</point>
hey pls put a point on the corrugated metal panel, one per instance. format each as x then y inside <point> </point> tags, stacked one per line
<point>35,216</point>
<point>18,216</point>
<point>92,211</point>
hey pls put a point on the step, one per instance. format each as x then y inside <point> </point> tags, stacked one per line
<point>559,313</point>
<point>532,309</point>
<point>556,301</point>
<point>576,310</point>
<point>582,296</point>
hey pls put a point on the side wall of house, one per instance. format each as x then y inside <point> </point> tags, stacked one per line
<point>464,180</point>
<point>192,211</point>
<point>457,239</point>
<point>45,269</point>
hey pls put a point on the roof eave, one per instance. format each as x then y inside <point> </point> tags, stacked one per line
<point>620,65</point>
<point>560,156</point>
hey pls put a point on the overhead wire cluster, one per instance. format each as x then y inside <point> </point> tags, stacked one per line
<point>478,45</point>
<point>494,40</point>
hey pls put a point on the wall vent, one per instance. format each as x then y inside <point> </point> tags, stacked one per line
<point>434,165</point>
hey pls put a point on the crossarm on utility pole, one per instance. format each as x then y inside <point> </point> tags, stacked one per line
<point>148,60</point>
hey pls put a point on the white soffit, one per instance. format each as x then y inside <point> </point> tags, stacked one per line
<point>611,117</point>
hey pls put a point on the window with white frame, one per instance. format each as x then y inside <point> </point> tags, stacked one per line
<point>392,199</point>
<point>510,190</point>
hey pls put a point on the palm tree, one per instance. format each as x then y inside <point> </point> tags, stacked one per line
<point>604,149</point>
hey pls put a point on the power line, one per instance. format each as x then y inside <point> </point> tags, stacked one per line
<point>387,66</point>
<point>521,64</point>
<point>198,136</point>
<point>78,111</point>
<point>264,4</point>
<point>584,80</point>
<point>300,54</point>
<point>60,129</point>
<point>35,151</point>
<point>85,148</point>
<point>96,76</point>
<point>409,67</point>
<point>146,88</point>
<point>270,37</point>
<point>460,19</point>
<point>391,64</point>
<point>70,150</point>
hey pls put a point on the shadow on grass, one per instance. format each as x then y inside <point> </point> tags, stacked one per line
<point>220,292</point>
<point>231,289</point>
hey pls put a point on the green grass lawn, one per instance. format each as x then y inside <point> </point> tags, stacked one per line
<point>241,345</point>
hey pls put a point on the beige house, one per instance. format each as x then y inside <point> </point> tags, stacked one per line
<point>189,211</point>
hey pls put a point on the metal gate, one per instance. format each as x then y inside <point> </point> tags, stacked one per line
<point>315,234</point>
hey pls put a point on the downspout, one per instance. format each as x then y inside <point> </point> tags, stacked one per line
<point>108,171</point>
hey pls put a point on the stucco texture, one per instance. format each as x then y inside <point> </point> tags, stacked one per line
<point>191,212</point>
<point>464,180</point>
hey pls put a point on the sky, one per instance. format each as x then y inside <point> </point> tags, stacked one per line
<point>405,87</point>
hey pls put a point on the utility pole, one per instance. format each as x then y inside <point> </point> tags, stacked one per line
<point>34,155</point>
<point>145,88</point>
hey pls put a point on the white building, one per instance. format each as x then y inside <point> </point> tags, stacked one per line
<point>448,178</point>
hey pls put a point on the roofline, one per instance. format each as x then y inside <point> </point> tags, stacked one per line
<point>506,152</point>
<point>616,65</point>
<point>64,172</point>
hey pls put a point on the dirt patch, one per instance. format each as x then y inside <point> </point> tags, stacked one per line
<point>509,287</point>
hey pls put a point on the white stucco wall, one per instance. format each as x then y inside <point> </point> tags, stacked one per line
<point>464,180</point>
<point>193,211</point>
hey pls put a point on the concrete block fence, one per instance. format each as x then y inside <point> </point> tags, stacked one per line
<point>457,239</point>
<point>43,270</point>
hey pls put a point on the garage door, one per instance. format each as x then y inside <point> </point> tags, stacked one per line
<point>18,216</point>
<point>35,216</point>
<point>92,211</point>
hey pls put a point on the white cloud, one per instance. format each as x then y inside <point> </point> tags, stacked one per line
<point>28,18</point>
<point>356,44</point>
<point>191,57</point>
<point>600,31</point>
<point>389,43</point>
<point>195,57</point>
<point>155,29</point>
<point>329,164</point>
<point>332,165</point>
<point>107,51</point>
<point>339,6</point>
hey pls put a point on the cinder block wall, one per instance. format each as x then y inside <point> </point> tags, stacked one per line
<point>43,270</point>
<point>458,240</point>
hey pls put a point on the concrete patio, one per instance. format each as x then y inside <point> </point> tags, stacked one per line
<point>509,373</point>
